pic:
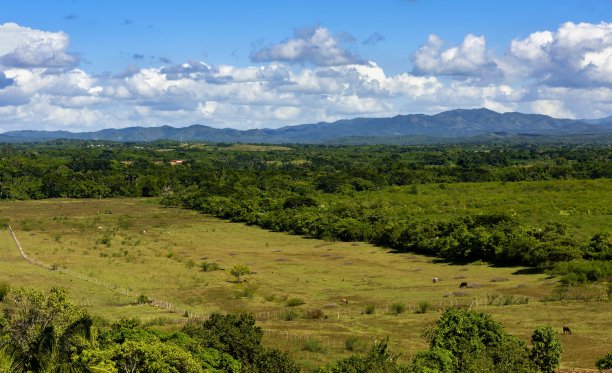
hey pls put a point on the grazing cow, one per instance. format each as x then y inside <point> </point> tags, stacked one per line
<point>566,330</point>
<point>463,285</point>
<point>344,300</point>
<point>434,280</point>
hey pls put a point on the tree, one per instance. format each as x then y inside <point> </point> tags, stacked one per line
<point>477,343</point>
<point>44,331</point>
<point>239,270</point>
<point>435,360</point>
<point>546,350</point>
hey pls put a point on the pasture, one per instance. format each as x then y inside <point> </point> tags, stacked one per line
<point>159,252</point>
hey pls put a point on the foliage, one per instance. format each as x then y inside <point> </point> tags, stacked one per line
<point>354,344</point>
<point>5,288</point>
<point>313,345</point>
<point>143,299</point>
<point>435,360</point>
<point>210,266</point>
<point>398,308</point>
<point>239,270</point>
<point>238,336</point>
<point>476,342</point>
<point>43,330</point>
<point>380,359</point>
<point>582,271</point>
<point>423,307</point>
<point>369,309</point>
<point>604,362</point>
<point>546,350</point>
<point>293,302</point>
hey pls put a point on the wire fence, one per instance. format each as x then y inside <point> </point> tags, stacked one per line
<point>169,306</point>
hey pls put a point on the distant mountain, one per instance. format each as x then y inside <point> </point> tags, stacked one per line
<point>446,126</point>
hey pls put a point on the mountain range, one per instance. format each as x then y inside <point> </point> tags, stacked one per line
<point>447,126</point>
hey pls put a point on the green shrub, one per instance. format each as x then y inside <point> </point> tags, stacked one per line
<point>293,302</point>
<point>5,287</point>
<point>604,362</point>
<point>210,266</point>
<point>313,345</point>
<point>369,309</point>
<point>289,315</point>
<point>143,299</point>
<point>423,307</point>
<point>582,271</point>
<point>398,308</point>
<point>355,344</point>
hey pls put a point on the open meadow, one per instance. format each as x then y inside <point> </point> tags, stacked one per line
<point>108,252</point>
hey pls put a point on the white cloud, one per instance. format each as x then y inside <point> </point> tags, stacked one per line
<point>562,73</point>
<point>468,59</point>
<point>314,45</point>
<point>26,47</point>
<point>575,55</point>
<point>553,108</point>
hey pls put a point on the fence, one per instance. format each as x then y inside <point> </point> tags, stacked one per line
<point>107,285</point>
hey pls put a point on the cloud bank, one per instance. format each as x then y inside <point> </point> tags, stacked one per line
<point>312,76</point>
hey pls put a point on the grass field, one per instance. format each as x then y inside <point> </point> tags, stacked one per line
<point>585,206</point>
<point>156,251</point>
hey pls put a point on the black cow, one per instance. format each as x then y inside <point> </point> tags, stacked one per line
<point>463,285</point>
<point>567,330</point>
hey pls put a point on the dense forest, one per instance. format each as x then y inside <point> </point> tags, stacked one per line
<point>313,191</point>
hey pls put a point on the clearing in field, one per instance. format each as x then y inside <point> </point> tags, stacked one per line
<point>299,289</point>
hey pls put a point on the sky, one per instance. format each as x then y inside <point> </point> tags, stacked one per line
<point>85,65</point>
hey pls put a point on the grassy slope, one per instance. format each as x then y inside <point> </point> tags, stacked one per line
<point>152,251</point>
<point>584,205</point>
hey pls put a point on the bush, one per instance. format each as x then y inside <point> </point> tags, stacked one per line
<point>143,299</point>
<point>294,302</point>
<point>5,287</point>
<point>604,362</point>
<point>423,307</point>
<point>398,308</point>
<point>314,314</point>
<point>582,271</point>
<point>313,345</point>
<point>289,315</point>
<point>546,350</point>
<point>369,309</point>
<point>355,344</point>
<point>210,266</point>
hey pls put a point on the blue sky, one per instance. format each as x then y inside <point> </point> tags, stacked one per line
<point>86,65</point>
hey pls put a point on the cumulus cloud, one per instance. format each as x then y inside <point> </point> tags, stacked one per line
<point>26,47</point>
<point>575,55</point>
<point>470,59</point>
<point>315,45</point>
<point>310,77</point>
